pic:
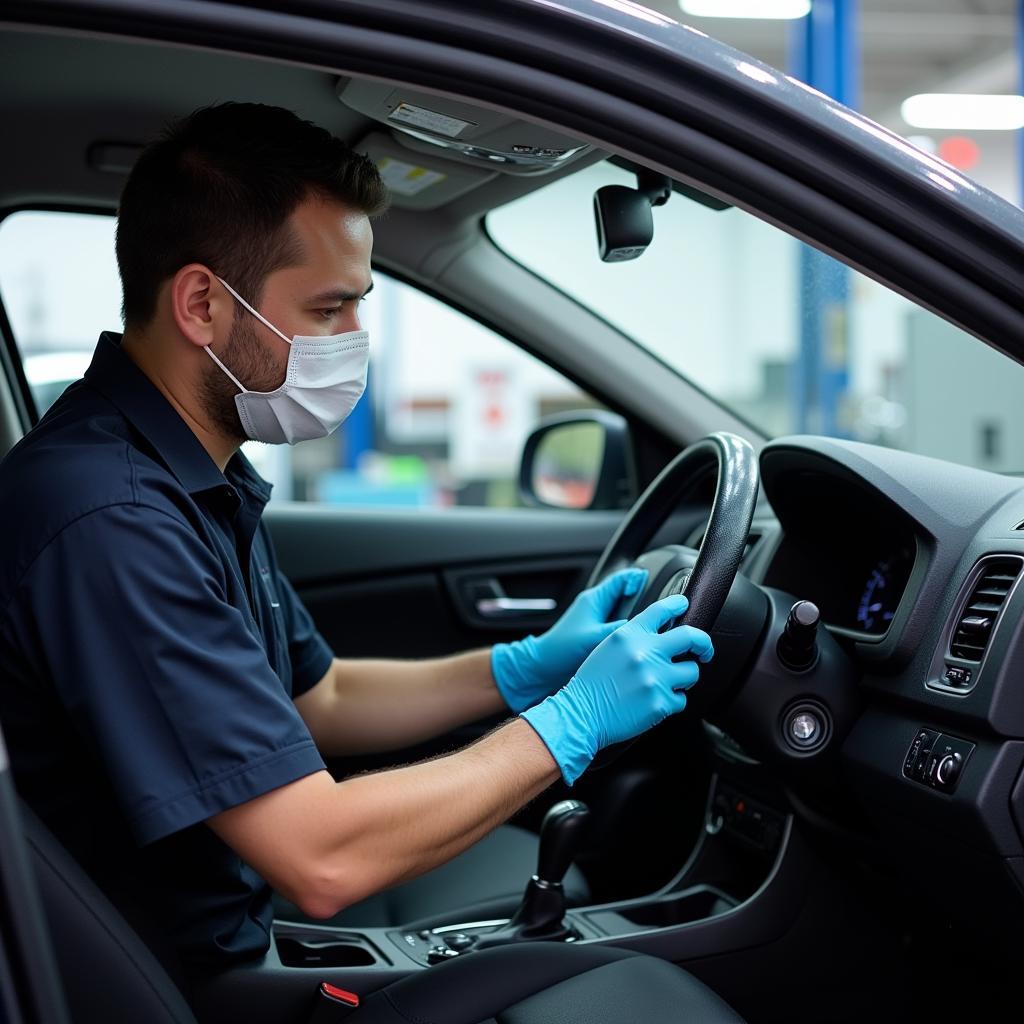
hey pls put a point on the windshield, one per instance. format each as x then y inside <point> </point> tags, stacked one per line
<point>788,338</point>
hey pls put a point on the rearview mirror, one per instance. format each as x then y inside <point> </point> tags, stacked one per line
<point>625,224</point>
<point>579,460</point>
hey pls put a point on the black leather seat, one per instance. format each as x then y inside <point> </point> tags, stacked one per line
<point>485,882</point>
<point>111,977</point>
<point>546,983</point>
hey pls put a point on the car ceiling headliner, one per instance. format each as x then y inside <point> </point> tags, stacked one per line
<point>60,93</point>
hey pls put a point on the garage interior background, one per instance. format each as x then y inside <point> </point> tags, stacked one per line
<point>812,346</point>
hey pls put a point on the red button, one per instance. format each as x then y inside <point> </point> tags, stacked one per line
<point>339,994</point>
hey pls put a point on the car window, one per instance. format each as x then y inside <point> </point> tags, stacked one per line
<point>787,337</point>
<point>448,402</point>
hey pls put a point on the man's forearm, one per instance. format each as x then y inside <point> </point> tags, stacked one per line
<point>350,839</point>
<point>434,810</point>
<point>370,706</point>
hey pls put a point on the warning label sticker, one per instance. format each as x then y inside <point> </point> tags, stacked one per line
<point>420,117</point>
<point>407,179</point>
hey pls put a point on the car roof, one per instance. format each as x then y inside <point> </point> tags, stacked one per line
<point>607,75</point>
<point>93,89</point>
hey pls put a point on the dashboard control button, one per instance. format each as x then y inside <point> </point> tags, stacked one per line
<point>459,941</point>
<point>916,762</point>
<point>920,769</point>
<point>735,814</point>
<point>806,726</point>
<point>948,769</point>
<point>959,751</point>
<point>957,675</point>
<point>937,760</point>
<point>438,954</point>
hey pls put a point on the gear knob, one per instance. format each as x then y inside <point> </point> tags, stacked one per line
<point>560,835</point>
<point>541,914</point>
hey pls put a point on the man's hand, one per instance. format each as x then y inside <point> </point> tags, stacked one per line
<point>629,684</point>
<point>526,671</point>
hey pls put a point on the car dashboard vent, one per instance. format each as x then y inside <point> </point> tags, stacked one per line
<point>978,619</point>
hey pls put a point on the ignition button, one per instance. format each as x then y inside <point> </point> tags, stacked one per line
<point>804,728</point>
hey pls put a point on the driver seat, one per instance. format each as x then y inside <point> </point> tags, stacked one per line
<point>110,976</point>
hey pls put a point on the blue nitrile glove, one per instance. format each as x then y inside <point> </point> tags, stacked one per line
<point>526,671</point>
<point>628,685</point>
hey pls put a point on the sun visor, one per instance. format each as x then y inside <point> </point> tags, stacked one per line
<point>460,132</point>
<point>419,181</point>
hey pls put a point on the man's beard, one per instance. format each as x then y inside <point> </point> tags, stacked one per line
<point>247,358</point>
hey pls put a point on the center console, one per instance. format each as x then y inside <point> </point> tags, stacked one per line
<point>741,886</point>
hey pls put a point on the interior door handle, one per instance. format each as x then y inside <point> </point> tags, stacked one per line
<point>496,607</point>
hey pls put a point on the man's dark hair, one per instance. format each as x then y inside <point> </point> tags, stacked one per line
<point>218,187</point>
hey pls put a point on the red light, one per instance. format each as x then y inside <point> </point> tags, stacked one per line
<point>741,807</point>
<point>961,152</point>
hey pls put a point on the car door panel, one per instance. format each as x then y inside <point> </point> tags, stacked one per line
<point>409,583</point>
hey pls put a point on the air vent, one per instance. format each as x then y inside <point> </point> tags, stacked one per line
<point>978,618</point>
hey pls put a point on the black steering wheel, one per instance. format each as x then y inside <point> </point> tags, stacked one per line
<point>747,686</point>
<point>706,575</point>
<point>726,605</point>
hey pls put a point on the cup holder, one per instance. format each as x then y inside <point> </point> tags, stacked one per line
<point>698,903</point>
<point>319,950</point>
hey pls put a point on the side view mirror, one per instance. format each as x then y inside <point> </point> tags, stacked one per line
<point>579,460</point>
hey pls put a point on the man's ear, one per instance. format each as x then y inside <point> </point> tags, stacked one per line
<point>202,308</point>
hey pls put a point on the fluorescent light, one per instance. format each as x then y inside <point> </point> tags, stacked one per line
<point>774,10</point>
<point>963,112</point>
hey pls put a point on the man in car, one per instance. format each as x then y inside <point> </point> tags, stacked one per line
<point>167,698</point>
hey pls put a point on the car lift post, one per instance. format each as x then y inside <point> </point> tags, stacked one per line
<point>824,52</point>
<point>1020,81</point>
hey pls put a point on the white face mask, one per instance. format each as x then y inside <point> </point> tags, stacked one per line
<point>325,378</point>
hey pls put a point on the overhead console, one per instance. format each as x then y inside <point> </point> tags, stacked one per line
<point>431,149</point>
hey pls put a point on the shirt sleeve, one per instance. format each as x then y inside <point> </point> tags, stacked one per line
<point>163,676</point>
<point>309,652</point>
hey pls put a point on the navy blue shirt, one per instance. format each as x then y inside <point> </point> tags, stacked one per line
<point>151,649</point>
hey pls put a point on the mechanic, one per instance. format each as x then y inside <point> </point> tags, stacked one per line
<point>168,700</point>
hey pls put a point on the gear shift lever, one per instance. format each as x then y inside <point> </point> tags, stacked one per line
<point>540,914</point>
<point>560,835</point>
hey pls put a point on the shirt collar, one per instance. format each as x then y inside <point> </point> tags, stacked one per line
<point>242,473</point>
<point>115,375</point>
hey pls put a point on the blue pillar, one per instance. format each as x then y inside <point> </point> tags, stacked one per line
<point>1020,80</point>
<point>824,53</point>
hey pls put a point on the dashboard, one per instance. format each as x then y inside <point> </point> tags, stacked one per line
<point>856,575</point>
<point>917,566</point>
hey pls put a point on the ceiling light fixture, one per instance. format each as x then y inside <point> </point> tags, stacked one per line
<point>769,10</point>
<point>964,112</point>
